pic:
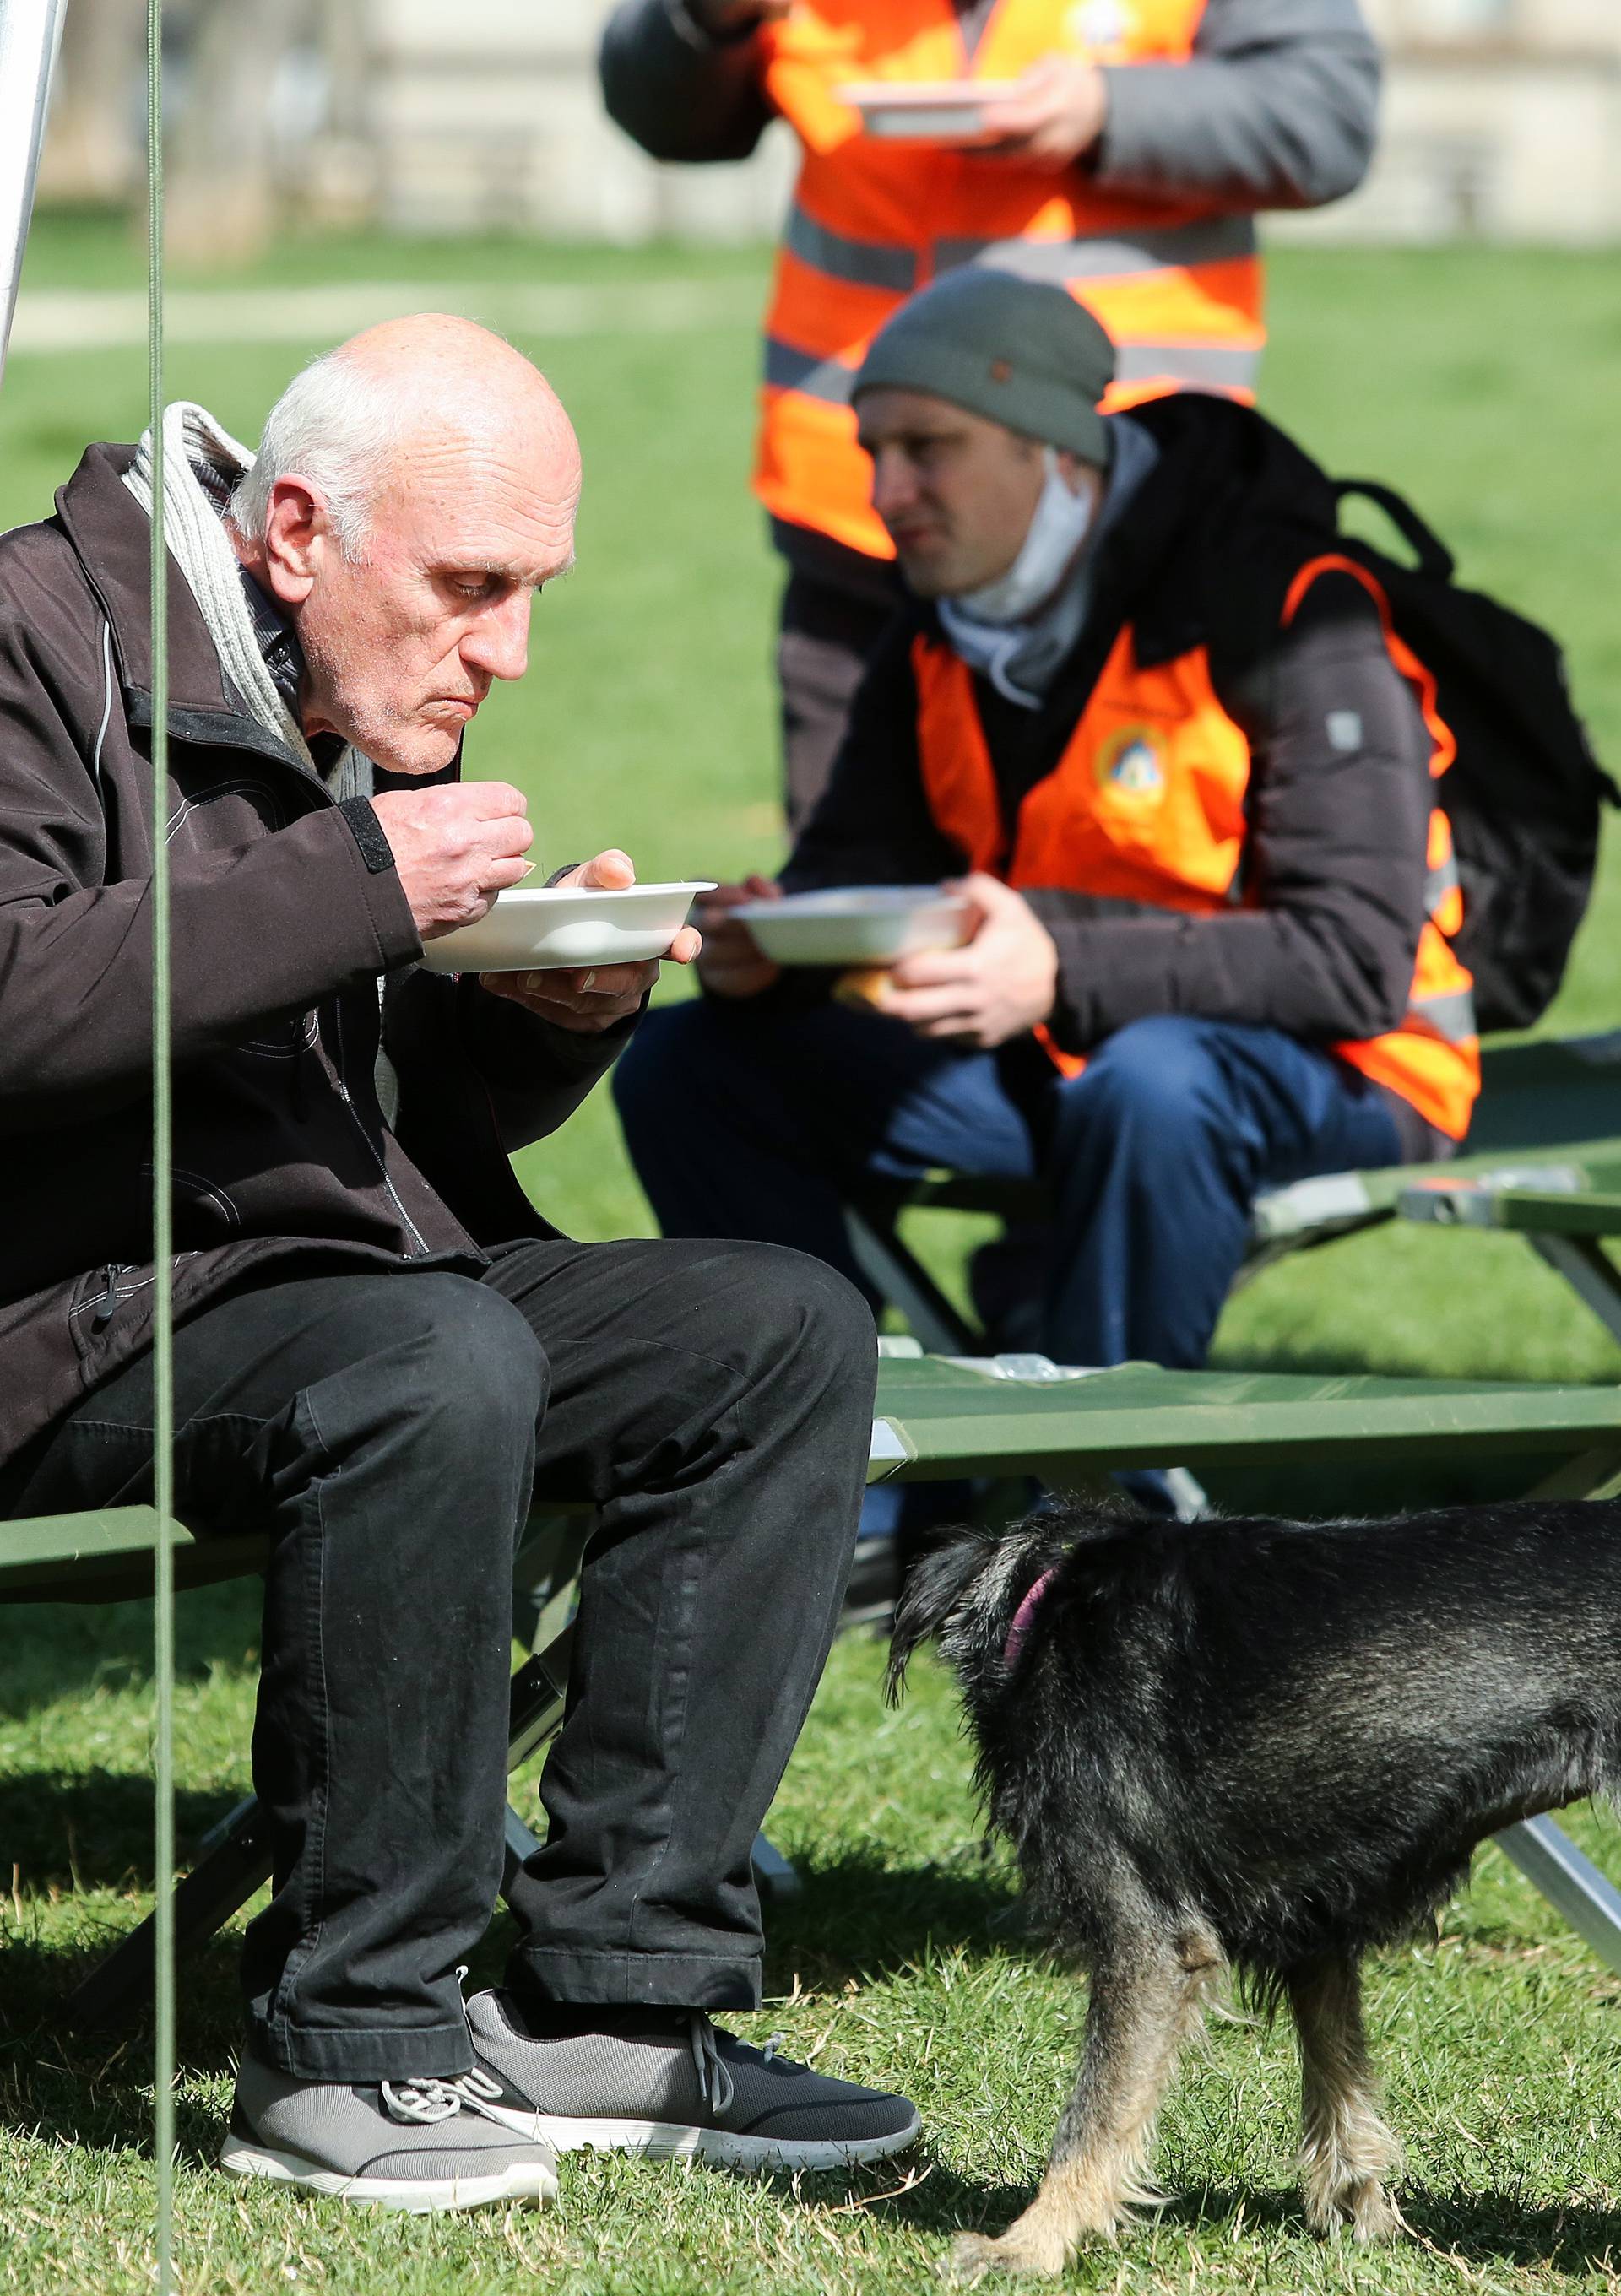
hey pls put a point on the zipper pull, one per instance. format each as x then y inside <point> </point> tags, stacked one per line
<point>107,1306</point>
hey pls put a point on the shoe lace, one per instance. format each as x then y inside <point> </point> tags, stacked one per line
<point>716,2085</point>
<point>425,2101</point>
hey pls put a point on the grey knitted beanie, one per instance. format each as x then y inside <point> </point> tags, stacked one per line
<point>1018,351</point>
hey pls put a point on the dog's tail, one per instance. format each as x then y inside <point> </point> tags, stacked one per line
<point>933,1588</point>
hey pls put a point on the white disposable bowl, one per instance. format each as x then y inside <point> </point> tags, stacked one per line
<point>927,111</point>
<point>559,925</point>
<point>857,925</point>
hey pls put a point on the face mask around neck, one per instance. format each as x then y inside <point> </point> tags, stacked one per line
<point>1058,529</point>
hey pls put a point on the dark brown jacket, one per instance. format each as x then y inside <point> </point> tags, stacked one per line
<point>281,928</point>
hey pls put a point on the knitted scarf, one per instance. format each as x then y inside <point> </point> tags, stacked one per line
<point>200,547</point>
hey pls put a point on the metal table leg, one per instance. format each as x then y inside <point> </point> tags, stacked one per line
<point>900,1278</point>
<point>1588,1269</point>
<point>1572,1883</point>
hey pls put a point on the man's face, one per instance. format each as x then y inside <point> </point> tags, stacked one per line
<point>956,491</point>
<point>402,645</point>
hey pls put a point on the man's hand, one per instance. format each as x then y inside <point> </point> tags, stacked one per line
<point>723,20</point>
<point>731,965</point>
<point>1004,981</point>
<point>584,999</point>
<point>1054,114</point>
<point>455,848</point>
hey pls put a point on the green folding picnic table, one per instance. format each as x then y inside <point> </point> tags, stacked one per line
<point>938,1417</point>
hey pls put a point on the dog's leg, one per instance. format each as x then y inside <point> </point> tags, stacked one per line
<point>1346,2149</point>
<point>1147,1998</point>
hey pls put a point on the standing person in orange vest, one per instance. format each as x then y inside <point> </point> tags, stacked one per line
<point>1139,141</point>
<point>1195,790</point>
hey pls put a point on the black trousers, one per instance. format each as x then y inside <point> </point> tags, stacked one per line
<point>826,636</point>
<point>715,1401</point>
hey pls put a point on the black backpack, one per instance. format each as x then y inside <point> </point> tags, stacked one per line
<point>1524,791</point>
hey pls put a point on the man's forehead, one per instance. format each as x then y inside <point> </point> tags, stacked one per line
<point>491,524</point>
<point>883,413</point>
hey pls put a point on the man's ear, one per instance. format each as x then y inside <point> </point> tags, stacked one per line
<point>297,534</point>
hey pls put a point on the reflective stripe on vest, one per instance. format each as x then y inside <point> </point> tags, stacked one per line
<point>1436,1062</point>
<point>1178,287</point>
<point>1146,804</point>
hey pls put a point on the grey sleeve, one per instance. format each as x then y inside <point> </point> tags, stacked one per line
<point>1277,108</point>
<point>1335,859</point>
<point>680,94</point>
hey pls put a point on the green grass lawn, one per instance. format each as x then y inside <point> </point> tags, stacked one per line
<point>1483,384</point>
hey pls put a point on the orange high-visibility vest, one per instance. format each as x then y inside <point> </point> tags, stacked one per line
<point>1176,283</point>
<point>1146,804</point>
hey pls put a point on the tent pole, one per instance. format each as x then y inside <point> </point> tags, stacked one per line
<point>30,32</point>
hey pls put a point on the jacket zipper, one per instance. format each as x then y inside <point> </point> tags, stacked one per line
<point>107,1306</point>
<point>382,1169</point>
<point>113,1298</point>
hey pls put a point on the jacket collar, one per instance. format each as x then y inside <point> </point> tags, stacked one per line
<point>110,535</point>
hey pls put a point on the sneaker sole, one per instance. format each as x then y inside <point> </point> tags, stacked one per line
<point>534,2183</point>
<point>721,2148</point>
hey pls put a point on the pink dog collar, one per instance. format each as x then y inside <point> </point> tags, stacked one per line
<point>1024,1618</point>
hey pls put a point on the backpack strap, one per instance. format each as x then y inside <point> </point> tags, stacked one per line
<point>1435,559</point>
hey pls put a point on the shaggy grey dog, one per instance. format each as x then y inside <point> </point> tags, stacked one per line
<point>1265,1747</point>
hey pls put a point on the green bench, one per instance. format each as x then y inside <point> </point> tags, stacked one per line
<point>940,1418</point>
<point>1549,1115</point>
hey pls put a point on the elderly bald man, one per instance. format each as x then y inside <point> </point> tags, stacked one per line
<point>382,1350</point>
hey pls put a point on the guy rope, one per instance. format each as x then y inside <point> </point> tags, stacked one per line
<point>163,1326</point>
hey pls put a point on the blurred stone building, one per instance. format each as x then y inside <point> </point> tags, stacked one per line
<point>1502,120</point>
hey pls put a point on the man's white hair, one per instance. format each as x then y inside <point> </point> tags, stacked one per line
<point>338,426</point>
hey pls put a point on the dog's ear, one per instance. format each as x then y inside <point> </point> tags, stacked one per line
<point>933,1588</point>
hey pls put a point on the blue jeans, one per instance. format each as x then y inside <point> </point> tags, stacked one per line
<point>746,1120</point>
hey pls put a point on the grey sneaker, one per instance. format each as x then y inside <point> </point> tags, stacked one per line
<point>413,2144</point>
<point>692,2093</point>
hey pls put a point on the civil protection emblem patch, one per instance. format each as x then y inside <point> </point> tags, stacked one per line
<point>1133,761</point>
<point>1099,28</point>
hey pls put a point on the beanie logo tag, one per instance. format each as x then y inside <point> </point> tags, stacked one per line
<point>1002,371</point>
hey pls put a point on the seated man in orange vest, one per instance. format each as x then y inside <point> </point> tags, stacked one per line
<point>1157,726</point>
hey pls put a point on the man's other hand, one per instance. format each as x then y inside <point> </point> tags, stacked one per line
<point>1051,116</point>
<point>731,965</point>
<point>1002,982</point>
<point>588,999</point>
<point>455,848</point>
